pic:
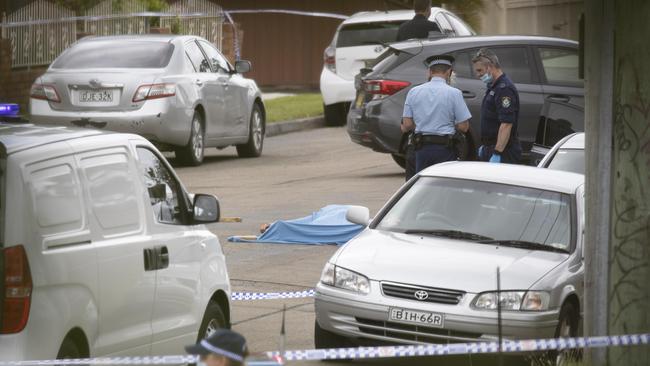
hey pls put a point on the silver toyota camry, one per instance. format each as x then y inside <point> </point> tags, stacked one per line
<point>425,268</point>
<point>179,92</point>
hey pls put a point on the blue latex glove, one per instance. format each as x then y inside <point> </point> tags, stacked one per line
<point>496,158</point>
<point>480,151</point>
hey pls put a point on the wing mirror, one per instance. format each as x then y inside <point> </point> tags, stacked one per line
<point>358,215</point>
<point>206,208</point>
<point>242,66</point>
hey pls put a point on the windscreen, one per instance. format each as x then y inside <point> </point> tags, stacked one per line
<point>491,210</point>
<point>116,54</point>
<point>570,160</point>
<point>368,34</point>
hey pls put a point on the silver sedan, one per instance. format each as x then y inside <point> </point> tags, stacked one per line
<point>179,92</point>
<point>425,269</point>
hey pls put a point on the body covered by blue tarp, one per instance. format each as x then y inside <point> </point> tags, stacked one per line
<point>326,226</point>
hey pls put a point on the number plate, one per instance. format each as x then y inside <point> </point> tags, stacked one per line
<point>417,317</point>
<point>96,96</point>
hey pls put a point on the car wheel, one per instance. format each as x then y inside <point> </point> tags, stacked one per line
<point>192,153</point>
<point>400,160</point>
<point>253,148</point>
<point>212,320</point>
<point>335,114</point>
<point>327,339</point>
<point>68,350</point>
<point>567,328</point>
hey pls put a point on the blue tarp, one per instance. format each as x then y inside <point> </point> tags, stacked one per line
<point>326,226</point>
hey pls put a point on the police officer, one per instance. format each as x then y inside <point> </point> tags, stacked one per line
<point>435,111</point>
<point>222,348</point>
<point>420,25</point>
<point>499,111</point>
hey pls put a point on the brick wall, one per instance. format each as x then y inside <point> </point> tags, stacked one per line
<point>15,84</point>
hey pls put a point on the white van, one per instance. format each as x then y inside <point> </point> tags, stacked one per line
<point>102,251</point>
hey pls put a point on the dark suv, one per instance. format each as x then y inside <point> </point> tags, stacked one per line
<point>542,68</point>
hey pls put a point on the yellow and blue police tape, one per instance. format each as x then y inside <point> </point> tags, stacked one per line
<point>531,345</point>
<point>248,296</point>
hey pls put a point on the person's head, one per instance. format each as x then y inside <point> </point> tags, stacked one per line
<point>223,348</point>
<point>422,7</point>
<point>486,65</point>
<point>440,66</point>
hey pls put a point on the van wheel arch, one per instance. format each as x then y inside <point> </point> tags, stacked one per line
<point>74,345</point>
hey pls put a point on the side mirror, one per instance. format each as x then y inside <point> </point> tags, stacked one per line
<point>206,208</point>
<point>242,66</point>
<point>358,215</point>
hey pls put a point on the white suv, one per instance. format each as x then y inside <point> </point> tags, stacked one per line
<point>102,251</point>
<point>358,41</point>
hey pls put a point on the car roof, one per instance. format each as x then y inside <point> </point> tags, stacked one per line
<point>15,137</point>
<point>575,141</point>
<point>138,38</point>
<point>379,16</point>
<point>519,175</point>
<point>473,41</point>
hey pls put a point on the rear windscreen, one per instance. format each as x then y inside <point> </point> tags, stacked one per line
<point>368,34</point>
<point>114,54</point>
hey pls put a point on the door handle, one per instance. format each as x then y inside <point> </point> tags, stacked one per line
<point>198,82</point>
<point>162,257</point>
<point>225,85</point>
<point>149,259</point>
<point>559,98</point>
<point>468,94</point>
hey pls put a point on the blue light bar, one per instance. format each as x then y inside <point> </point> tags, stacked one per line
<point>9,109</point>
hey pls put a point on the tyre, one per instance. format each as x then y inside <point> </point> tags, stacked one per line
<point>253,148</point>
<point>400,160</point>
<point>335,114</point>
<point>68,350</point>
<point>327,339</point>
<point>192,153</point>
<point>213,319</point>
<point>567,327</point>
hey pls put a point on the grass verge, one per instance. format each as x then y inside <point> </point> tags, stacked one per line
<point>294,107</point>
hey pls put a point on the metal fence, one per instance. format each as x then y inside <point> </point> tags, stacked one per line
<point>40,31</point>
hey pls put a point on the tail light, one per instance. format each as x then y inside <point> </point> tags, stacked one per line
<point>17,290</point>
<point>329,58</point>
<point>154,91</point>
<point>45,92</point>
<point>384,88</point>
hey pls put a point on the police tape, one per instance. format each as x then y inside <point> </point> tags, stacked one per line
<point>531,345</point>
<point>153,360</point>
<point>248,296</point>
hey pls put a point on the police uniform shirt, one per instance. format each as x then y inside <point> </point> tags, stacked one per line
<point>500,104</point>
<point>436,108</point>
<point>418,27</point>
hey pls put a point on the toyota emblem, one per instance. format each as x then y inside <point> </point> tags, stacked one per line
<point>379,49</point>
<point>95,83</point>
<point>421,295</point>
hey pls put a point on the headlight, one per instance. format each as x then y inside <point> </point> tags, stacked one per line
<point>513,301</point>
<point>345,279</point>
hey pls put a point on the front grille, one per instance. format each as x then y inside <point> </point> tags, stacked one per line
<point>414,333</point>
<point>436,295</point>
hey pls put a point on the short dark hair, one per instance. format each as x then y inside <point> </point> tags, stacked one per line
<point>439,68</point>
<point>485,56</point>
<point>421,6</point>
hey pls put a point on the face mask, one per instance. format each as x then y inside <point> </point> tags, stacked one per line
<point>486,78</point>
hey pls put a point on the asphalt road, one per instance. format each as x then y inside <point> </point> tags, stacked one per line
<point>297,174</point>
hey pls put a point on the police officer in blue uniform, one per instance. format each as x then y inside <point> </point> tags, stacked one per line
<point>435,111</point>
<point>499,111</point>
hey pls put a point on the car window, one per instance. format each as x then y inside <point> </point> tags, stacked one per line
<point>87,55</point>
<point>188,65</point>
<point>515,63</point>
<point>498,211</point>
<point>444,24</point>
<point>218,62</point>
<point>197,57</point>
<point>561,120</point>
<point>463,64</point>
<point>570,160</point>
<point>163,190</point>
<point>351,35</point>
<point>560,65</point>
<point>461,28</point>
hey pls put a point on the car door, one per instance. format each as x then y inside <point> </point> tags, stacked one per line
<point>560,74</point>
<point>212,93</point>
<point>175,257</point>
<point>235,92</point>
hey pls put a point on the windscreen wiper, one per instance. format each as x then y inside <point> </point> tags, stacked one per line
<point>453,234</point>
<point>525,245</point>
